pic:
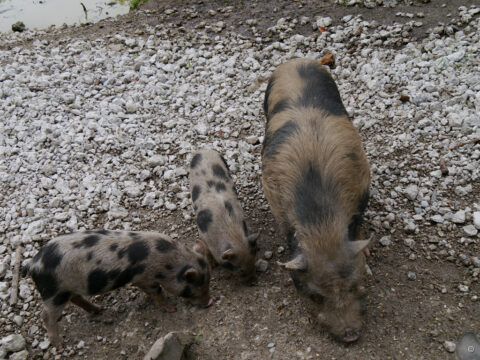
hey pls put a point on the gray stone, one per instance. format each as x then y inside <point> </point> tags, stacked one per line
<point>470,230</point>
<point>323,22</point>
<point>449,346</point>
<point>385,241</point>
<point>261,265</point>
<point>476,219</point>
<point>21,355</point>
<point>156,160</point>
<point>458,217</point>
<point>170,347</point>
<point>437,219</point>
<point>13,343</point>
<point>412,276</point>
<point>268,255</point>
<point>411,192</point>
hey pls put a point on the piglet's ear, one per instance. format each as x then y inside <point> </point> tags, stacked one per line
<point>252,240</point>
<point>200,248</point>
<point>359,245</point>
<point>228,255</point>
<point>299,263</point>
<point>190,275</point>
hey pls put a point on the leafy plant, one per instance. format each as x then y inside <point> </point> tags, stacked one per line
<point>134,4</point>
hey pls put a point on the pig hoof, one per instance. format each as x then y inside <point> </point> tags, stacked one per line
<point>350,336</point>
<point>209,303</point>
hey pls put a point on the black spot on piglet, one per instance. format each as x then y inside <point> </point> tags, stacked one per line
<point>219,172</point>
<point>195,192</point>
<point>220,187</point>
<point>229,207</point>
<point>195,160</point>
<point>127,275</point>
<point>204,218</point>
<point>46,284</point>
<point>51,258</point>
<point>90,241</point>
<point>137,251</point>
<point>97,281</point>
<point>163,245</point>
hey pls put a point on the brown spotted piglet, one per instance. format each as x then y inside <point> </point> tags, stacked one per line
<point>220,216</point>
<point>316,178</point>
<point>94,262</point>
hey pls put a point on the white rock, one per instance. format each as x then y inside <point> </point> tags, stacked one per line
<point>17,319</point>
<point>130,107</point>
<point>156,160</point>
<point>13,343</point>
<point>463,288</point>
<point>458,217</point>
<point>253,139</point>
<point>24,291</point>
<point>476,219</point>
<point>323,22</point>
<point>133,191</point>
<point>118,213</point>
<point>149,199</point>
<point>44,344</point>
<point>385,241</point>
<point>411,192</point>
<point>170,206</point>
<point>449,346</point>
<point>261,265</point>
<point>21,355</point>
<point>170,347</point>
<point>437,219</point>
<point>470,230</point>
<point>202,128</point>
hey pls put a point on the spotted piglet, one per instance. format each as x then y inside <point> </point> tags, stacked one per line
<point>95,262</point>
<point>220,216</point>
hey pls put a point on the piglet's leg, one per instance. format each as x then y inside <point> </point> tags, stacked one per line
<point>85,304</point>
<point>156,293</point>
<point>50,316</point>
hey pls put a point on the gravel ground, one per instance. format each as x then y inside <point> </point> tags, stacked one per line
<point>97,132</point>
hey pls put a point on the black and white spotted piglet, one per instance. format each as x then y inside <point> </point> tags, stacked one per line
<point>219,214</point>
<point>94,262</point>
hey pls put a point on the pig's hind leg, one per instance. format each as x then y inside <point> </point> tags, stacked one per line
<point>86,305</point>
<point>51,315</point>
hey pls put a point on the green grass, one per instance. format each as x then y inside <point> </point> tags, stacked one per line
<point>134,4</point>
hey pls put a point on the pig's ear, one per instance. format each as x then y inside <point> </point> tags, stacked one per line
<point>200,248</point>
<point>359,245</point>
<point>252,240</point>
<point>299,263</point>
<point>228,255</point>
<point>190,275</point>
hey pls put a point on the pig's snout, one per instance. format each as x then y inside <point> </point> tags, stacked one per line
<point>350,335</point>
<point>207,304</point>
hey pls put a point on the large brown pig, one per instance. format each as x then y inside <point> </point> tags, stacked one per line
<point>316,179</point>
